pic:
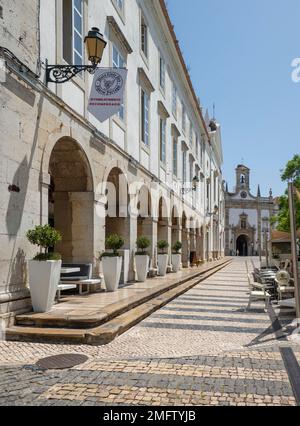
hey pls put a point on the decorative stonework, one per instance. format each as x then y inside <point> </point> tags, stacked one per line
<point>247,217</point>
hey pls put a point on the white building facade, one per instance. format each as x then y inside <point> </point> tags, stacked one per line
<point>58,162</point>
<point>247,218</point>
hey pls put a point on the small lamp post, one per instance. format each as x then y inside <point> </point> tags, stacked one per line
<point>214,213</point>
<point>95,45</point>
<point>194,187</point>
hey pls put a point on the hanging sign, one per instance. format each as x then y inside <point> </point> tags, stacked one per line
<point>107,92</point>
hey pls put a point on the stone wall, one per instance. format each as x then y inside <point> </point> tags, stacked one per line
<point>19,30</point>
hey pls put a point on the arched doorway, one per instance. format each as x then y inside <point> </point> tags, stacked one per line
<point>242,245</point>
<point>71,201</point>
<point>163,219</point>
<point>145,219</point>
<point>175,226</point>
<point>117,218</point>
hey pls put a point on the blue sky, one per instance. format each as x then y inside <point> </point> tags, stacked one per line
<point>239,53</point>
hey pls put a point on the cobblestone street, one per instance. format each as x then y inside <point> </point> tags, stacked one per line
<point>200,349</point>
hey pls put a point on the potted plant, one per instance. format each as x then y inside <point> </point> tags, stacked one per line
<point>162,257</point>
<point>142,258</point>
<point>44,269</point>
<point>176,256</point>
<point>112,262</point>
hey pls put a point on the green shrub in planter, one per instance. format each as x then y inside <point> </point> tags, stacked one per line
<point>113,242</point>
<point>44,237</point>
<point>177,247</point>
<point>142,244</point>
<point>162,246</point>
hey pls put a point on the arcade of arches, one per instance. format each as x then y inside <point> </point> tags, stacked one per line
<point>72,210</point>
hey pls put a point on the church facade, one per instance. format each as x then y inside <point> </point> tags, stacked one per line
<point>247,217</point>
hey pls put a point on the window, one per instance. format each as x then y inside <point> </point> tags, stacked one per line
<point>184,166</point>
<point>174,100</point>
<point>191,169</point>
<point>144,37</point>
<point>162,73</point>
<point>197,146</point>
<point>208,194</point>
<point>162,139</point>
<point>215,187</point>
<point>183,119</point>
<point>191,134</point>
<point>118,62</point>
<point>175,153</point>
<point>145,117</point>
<point>73,31</point>
<point>120,5</point>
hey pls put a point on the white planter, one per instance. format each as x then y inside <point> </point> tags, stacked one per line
<point>176,262</point>
<point>111,267</point>
<point>142,266</point>
<point>162,263</point>
<point>43,281</point>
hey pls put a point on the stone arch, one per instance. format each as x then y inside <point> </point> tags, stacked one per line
<point>52,141</point>
<point>163,219</point>
<point>242,245</point>
<point>71,200</point>
<point>145,224</point>
<point>175,221</point>
<point>117,219</point>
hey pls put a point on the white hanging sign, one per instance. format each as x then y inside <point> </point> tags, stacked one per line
<point>107,92</point>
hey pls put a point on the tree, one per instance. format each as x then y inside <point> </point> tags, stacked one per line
<point>291,172</point>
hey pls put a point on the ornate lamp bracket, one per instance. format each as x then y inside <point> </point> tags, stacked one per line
<point>62,73</point>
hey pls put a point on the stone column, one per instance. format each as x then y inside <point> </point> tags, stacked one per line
<point>99,233</point>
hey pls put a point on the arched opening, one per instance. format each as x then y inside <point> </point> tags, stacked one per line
<point>71,201</point>
<point>242,244</point>
<point>162,226</point>
<point>144,219</point>
<point>192,237</point>
<point>185,241</point>
<point>175,226</point>
<point>117,219</point>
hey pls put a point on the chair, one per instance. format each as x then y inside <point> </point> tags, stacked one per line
<point>284,288</point>
<point>257,292</point>
<point>275,264</point>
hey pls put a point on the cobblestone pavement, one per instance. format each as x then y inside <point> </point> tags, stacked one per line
<point>200,349</point>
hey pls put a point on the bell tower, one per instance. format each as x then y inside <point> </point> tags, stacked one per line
<point>242,178</point>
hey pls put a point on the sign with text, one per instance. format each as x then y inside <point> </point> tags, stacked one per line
<point>107,92</point>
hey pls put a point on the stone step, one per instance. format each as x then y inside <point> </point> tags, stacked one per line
<point>108,312</point>
<point>107,332</point>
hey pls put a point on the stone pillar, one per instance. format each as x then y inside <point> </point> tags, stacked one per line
<point>185,248</point>
<point>99,234</point>
<point>44,188</point>
<point>132,245</point>
<point>154,242</point>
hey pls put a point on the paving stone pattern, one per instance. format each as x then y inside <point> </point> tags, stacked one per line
<point>201,349</point>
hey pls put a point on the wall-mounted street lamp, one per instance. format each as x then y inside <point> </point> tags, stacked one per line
<point>214,213</point>
<point>194,187</point>
<point>95,45</point>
